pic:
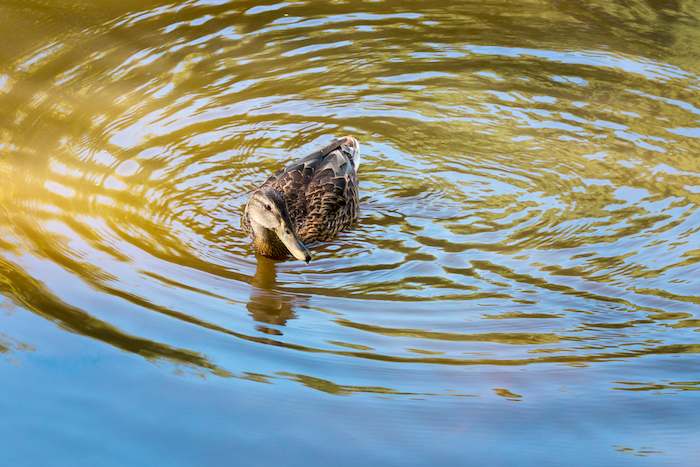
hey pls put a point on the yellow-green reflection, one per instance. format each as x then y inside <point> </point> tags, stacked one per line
<point>530,187</point>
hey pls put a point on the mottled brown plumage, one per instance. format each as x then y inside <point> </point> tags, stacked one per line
<point>317,196</point>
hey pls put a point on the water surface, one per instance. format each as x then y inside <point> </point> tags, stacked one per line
<point>521,287</point>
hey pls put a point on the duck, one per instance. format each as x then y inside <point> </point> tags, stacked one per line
<point>308,201</point>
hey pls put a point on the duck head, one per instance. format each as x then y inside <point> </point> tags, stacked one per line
<point>273,231</point>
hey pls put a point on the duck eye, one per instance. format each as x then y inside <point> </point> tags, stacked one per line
<point>268,207</point>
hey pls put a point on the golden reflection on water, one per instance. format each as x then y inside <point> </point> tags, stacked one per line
<point>530,191</point>
<point>267,304</point>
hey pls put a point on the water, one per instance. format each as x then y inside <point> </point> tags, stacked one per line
<point>521,288</point>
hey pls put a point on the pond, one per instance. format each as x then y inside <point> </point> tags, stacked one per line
<point>522,286</point>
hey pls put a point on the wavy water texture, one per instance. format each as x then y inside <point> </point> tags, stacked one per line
<point>524,202</point>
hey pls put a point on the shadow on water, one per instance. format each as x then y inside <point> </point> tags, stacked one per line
<point>267,304</point>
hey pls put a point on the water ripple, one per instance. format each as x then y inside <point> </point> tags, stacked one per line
<point>521,204</point>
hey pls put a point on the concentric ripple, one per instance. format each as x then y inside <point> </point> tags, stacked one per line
<point>522,202</point>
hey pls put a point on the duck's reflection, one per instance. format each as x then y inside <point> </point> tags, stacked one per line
<point>267,303</point>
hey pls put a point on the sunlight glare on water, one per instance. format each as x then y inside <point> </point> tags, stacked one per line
<point>522,282</point>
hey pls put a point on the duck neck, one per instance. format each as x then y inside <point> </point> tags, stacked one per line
<point>267,243</point>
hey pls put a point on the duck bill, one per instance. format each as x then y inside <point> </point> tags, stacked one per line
<point>295,247</point>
